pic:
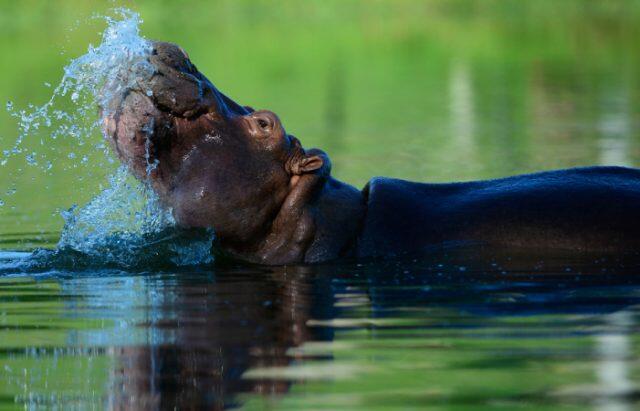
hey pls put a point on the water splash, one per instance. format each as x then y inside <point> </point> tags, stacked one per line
<point>126,206</point>
<point>89,82</point>
<point>125,225</point>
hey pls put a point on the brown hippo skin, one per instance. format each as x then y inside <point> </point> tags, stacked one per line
<point>220,165</point>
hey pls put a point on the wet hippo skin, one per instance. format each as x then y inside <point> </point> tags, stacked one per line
<point>220,165</point>
<point>584,209</point>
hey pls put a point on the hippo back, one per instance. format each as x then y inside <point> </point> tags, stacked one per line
<point>594,208</point>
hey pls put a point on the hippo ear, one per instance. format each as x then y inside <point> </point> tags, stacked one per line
<point>309,163</point>
<point>315,161</point>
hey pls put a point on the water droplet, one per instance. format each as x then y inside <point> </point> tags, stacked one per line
<point>31,159</point>
<point>9,105</point>
<point>71,155</point>
<point>47,84</point>
<point>1,203</point>
<point>11,191</point>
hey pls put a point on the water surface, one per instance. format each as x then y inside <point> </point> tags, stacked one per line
<point>457,331</point>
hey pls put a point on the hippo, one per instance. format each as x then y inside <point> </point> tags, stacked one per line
<point>221,165</point>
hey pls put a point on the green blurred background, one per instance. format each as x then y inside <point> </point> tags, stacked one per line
<point>422,90</point>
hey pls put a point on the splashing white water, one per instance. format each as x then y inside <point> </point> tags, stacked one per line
<point>89,81</point>
<point>126,222</point>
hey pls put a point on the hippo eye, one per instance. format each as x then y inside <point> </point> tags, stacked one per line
<point>264,124</point>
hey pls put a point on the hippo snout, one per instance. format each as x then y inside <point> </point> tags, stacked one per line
<point>177,86</point>
<point>141,120</point>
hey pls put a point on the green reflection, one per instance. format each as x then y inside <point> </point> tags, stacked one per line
<point>461,363</point>
<point>40,366</point>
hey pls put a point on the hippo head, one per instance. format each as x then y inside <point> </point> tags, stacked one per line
<point>214,162</point>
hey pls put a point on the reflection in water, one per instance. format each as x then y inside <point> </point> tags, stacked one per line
<point>615,351</point>
<point>463,330</point>
<point>208,334</point>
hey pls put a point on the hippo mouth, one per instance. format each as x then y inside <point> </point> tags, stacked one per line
<point>147,121</point>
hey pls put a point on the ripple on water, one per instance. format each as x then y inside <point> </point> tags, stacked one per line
<point>380,335</point>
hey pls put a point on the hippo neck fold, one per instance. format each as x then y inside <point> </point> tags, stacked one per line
<point>319,220</point>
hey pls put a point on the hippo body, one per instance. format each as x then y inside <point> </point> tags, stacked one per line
<point>218,164</point>
<point>582,209</point>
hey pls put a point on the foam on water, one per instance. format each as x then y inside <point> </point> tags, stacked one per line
<point>125,225</point>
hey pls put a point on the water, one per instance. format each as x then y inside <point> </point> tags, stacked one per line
<point>126,226</point>
<point>384,335</point>
<point>117,309</point>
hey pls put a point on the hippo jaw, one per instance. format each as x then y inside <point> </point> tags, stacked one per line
<point>216,163</point>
